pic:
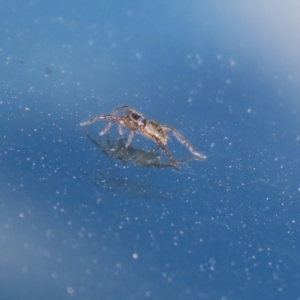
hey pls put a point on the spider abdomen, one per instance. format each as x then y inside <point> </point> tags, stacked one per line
<point>154,130</point>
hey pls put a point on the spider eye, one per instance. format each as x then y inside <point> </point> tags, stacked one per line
<point>136,117</point>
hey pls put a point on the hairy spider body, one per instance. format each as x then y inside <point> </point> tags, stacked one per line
<point>150,129</point>
<point>153,130</point>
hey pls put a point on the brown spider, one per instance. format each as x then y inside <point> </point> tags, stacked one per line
<point>150,129</point>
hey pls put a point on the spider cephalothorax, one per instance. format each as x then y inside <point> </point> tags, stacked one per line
<point>135,121</point>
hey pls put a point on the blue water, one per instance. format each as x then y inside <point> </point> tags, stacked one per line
<point>74,224</point>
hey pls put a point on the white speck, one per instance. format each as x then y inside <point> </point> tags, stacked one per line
<point>70,290</point>
<point>138,55</point>
<point>212,264</point>
<point>232,63</point>
<point>91,42</point>
<point>135,255</point>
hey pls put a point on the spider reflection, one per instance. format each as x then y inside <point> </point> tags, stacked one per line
<point>135,188</point>
<point>118,149</point>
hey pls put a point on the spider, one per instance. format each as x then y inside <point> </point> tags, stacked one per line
<point>150,129</point>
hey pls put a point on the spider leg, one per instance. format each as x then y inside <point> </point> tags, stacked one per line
<point>166,151</point>
<point>119,108</point>
<point>110,118</point>
<point>106,128</point>
<point>183,141</point>
<point>129,139</point>
<point>120,130</point>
